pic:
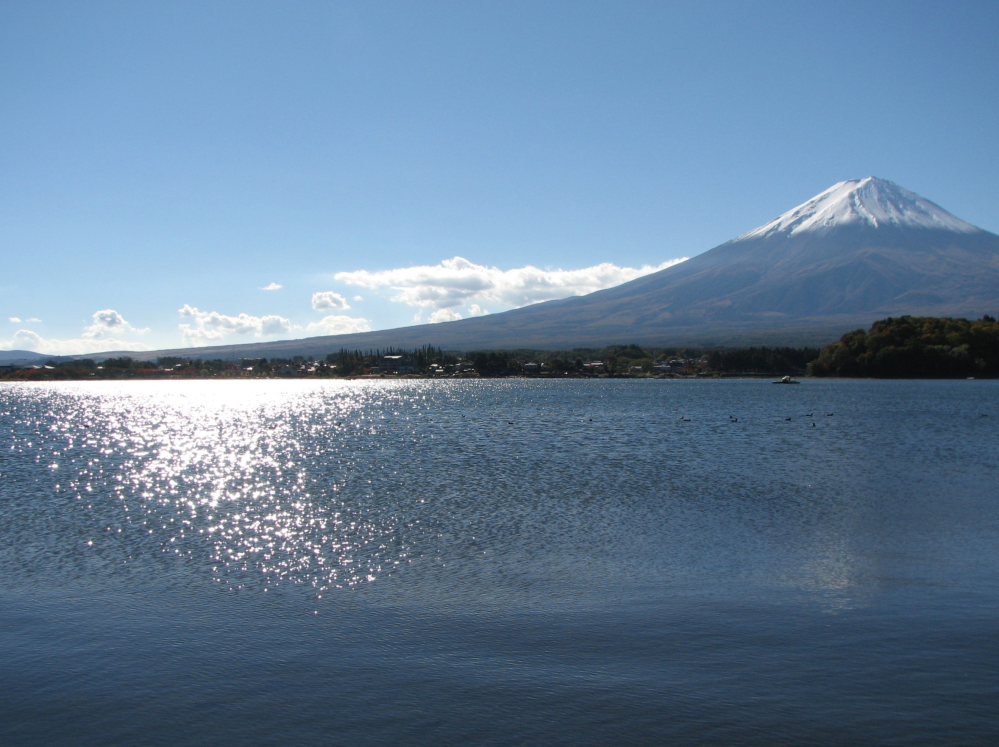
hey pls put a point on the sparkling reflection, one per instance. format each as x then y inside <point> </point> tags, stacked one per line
<point>494,492</point>
<point>252,480</point>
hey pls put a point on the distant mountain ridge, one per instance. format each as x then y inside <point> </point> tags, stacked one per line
<point>861,250</point>
<point>22,357</point>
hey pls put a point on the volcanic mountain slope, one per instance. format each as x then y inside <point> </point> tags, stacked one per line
<point>859,251</point>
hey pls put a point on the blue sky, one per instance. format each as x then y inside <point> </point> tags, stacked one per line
<point>162,163</point>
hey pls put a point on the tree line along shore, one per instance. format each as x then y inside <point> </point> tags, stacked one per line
<point>616,361</point>
<point>914,347</point>
<point>903,347</point>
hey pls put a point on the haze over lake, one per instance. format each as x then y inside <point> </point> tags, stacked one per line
<point>499,562</point>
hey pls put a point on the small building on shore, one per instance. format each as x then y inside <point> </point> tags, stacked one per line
<point>397,364</point>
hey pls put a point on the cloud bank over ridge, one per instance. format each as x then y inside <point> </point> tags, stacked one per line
<point>207,327</point>
<point>455,282</point>
<point>101,335</point>
<point>211,327</point>
<point>453,289</point>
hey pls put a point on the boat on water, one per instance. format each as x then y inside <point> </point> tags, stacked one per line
<point>787,380</point>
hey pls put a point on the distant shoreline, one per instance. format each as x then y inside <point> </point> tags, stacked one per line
<point>476,377</point>
<point>905,347</point>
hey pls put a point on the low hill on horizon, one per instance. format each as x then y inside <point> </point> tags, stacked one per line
<point>22,357</point>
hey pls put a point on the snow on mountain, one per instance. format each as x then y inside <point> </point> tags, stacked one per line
<point>871,201</point>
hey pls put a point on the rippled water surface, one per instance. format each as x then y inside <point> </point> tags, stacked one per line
<point>499,562</point>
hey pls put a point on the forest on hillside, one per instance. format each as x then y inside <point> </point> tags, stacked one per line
<point>915,347</point>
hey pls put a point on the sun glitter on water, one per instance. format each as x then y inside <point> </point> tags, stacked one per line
<point>257,480</point>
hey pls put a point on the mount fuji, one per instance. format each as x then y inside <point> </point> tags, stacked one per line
<point>859,251</point>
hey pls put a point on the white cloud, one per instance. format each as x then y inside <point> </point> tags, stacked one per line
<point>339,325</point>
<point>272,287</point>
<point>328,300</point>
<point>14,320</point>
<point>32,320</point>
<point>450,315</point>
<point>102,335</point>
<point>456,282</point>
<point>358,298</point>
<point>26,339</point>
<point>444,315</point>
<point>108,321</point>
<point>211,326</point>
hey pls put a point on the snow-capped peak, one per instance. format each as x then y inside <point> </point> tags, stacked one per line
<point>871,201</point>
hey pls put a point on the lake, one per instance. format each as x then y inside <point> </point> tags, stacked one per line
<point>499,562</point>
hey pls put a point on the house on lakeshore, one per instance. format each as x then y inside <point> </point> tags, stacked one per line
<point>397,364</point>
